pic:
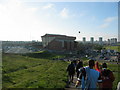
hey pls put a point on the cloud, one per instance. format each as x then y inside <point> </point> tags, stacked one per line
<point>105,25</point>
<point>64,13</point>
<point>108,21</point>
<point>82,14</point>
<point>19,22</point>
<point>48,6</point>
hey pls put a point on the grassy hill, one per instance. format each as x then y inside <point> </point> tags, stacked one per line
<point>25,72</point>
<point>44,55</point>
<point>117,48</point>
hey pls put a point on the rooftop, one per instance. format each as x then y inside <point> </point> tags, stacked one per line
<point>58,35</point>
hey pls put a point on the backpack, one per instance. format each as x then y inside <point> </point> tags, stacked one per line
<point>107,78</point>
<point>106,74</point>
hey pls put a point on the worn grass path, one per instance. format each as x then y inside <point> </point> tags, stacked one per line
<point>71,86</point>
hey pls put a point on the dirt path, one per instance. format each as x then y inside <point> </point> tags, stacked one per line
<point>71,86</point>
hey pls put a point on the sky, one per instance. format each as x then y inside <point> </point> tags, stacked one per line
<point>26,20</point>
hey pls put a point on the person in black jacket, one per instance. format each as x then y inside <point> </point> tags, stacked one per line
<point>71,71</point>
<point>79,65</point>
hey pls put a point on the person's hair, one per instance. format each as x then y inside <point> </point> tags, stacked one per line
<point>104,65</point>
<point>91,63</point>
<point>96,65</point>
<point>72,62</point>
<point>80,64</point>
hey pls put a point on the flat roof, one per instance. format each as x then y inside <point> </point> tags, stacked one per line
<point>60,36</point>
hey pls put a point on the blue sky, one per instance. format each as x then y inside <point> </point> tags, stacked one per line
<point>24,21</point>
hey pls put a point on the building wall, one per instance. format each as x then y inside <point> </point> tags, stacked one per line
<point>72,45</point>
<point>84,39</point>
<point>113,40</point>
<point>55,45</point>
<point>100,40</point>
<point>58,42</point>
<point>46,40</point>
<point>92,39</point>
<point>61,45</point>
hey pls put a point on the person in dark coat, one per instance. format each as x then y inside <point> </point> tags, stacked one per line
<point>71,71</point>
<point>107,78</point>
<point>79,65</point>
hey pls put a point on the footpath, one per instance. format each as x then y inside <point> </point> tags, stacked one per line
<point>71,86</point>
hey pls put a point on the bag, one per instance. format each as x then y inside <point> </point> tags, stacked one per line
<point>77,83</point>
<point>105,74</point>
<point>107,78</point>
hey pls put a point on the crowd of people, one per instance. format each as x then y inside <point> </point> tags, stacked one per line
<point>92,76</point>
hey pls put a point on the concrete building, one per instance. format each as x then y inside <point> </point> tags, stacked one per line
<point>100,40</point>
<point>58,42</point>
<point>113,40</point>
<point>92,39</point>
<point>84,39</point>
<point>108,41</point>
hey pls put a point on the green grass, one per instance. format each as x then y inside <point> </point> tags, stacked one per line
<point>44,55</point>
<point>117,48</point>
<point>114,68</point>
<point>25,72</point>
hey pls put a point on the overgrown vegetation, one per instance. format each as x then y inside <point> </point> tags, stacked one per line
<point>117,48</point>
<point>86,48</point>
<point>44,55</point>
<point>39,70</point>
<point>25,72</point>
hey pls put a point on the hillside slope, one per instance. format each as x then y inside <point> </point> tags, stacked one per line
<point>25,72</point>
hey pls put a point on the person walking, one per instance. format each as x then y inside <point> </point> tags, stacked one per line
<point>92,77</point>
<point>107,78</point>
<point>79,65</point>
<point>79,73</point>
<point>97,67</point>
<point>71,71</point>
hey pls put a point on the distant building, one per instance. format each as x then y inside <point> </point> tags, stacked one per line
<point>108,41</point>
<point>92,39</point>
<point>113,40</point>
<point>58,42</point>
<point>100,40</point>
<point>84,39</point>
